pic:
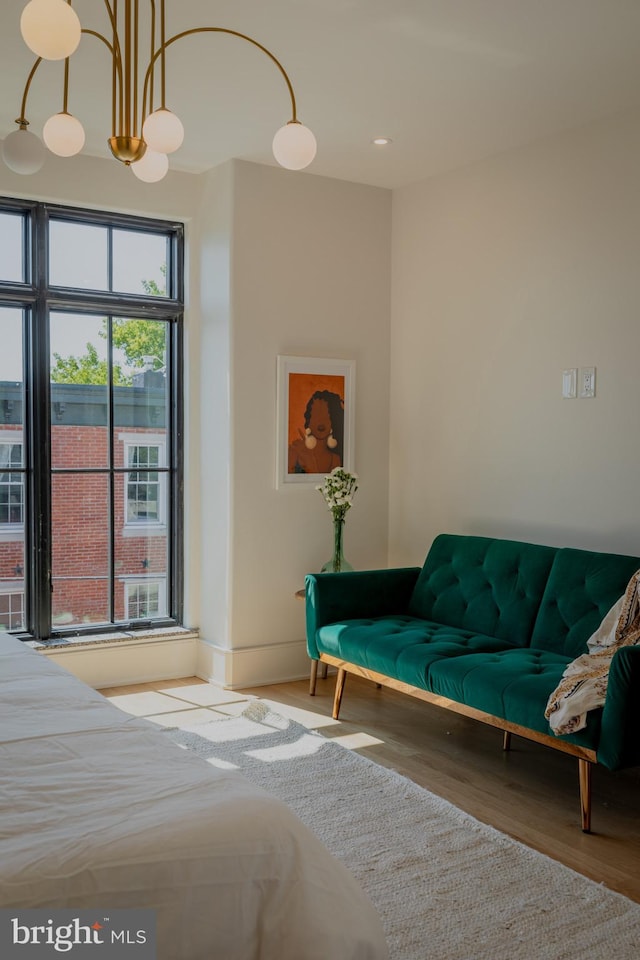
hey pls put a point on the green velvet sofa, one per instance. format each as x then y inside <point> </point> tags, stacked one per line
<point>485,628</point>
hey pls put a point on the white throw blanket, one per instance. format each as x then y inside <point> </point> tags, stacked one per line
<point>584,682</point>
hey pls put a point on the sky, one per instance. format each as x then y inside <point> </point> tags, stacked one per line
<point>78,258</point>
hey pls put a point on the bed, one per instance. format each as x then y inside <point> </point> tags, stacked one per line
<point>99,809</point>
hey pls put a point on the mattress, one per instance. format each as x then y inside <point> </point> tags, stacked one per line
<point>99,809</point>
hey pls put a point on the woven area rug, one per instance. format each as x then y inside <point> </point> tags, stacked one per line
<point>446,886</point>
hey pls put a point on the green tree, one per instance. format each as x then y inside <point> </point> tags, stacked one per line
<point>88,368</point>
<point>141,342</point>
<point>138,339</point>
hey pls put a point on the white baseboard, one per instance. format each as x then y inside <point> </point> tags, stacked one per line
<point>119,659</point>
<point>123,659</point>
<point>252,666</point>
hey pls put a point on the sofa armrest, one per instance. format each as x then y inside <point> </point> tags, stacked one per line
<point>620,733</point>
<point>331,597</point>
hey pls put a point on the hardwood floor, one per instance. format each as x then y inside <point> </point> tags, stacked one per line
<point>530,793</point>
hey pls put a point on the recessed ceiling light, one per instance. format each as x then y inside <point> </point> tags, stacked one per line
<point>381,141</point>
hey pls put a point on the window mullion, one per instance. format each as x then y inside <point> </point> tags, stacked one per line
<point>175,453</point>
<point>111,460</point>
<point>38,447</point>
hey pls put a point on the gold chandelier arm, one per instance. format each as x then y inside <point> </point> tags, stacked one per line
<point>135,71</point>
<point>163,57</point>
<point>117,74</point>
<point>23,107</point>
<point>116,58</point>
<point>113,20</point>
<point>65,94</point>
<point>152,50</point>
<point>234,33</point>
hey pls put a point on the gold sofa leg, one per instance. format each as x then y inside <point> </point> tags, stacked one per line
<point>314,675</point>
<point>340,682</point>
<point>584,771</point>
<point>506,740</point>
<point>312,678</point>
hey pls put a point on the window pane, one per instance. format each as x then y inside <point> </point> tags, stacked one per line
<point>142,405</point>
<point>145,600</point>
<point>141,542</point>
<point>12,265</point>
<point>78,255</point>
<point>79,392</point>
<point>80,525</point>
<point>11,319</point>
<point>12,476</point>
<point>140,263</point>
<point>12,568</point>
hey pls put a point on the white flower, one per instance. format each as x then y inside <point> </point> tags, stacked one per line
<point>338,491</point>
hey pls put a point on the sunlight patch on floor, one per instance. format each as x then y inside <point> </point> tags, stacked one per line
<point>146,702</point>
<point>357,741</point>
<point>186,718</point>
<point>227,729</point>
<point>203,694</point>
<point>222,764</point>
<point>305,746</point>
<point>307,718</point>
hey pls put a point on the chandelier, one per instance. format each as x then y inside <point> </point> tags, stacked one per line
<point>143,134</point>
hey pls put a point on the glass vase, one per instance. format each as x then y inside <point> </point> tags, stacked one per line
<point>337,564</point>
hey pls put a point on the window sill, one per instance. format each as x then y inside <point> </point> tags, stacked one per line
<point>131,637</point>
<point>144,531</point>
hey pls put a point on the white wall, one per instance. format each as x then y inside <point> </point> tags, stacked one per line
<point>309,276</point>
<point>105,185</point>
<point>504,274</point>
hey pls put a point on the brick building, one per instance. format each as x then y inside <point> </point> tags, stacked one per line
<point>109,523</point>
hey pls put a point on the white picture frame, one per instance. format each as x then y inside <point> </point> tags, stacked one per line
<point>309,390</point>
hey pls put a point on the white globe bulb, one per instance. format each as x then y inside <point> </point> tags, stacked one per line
<point>152,167</point>
<point>23,152</point>
<point>50,28</point>
<point>163,131</point>
<point>63,134</point>
<point>294,146</point>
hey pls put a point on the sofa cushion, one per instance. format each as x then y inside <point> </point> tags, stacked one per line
<point>400,646</point>
<point>512,684</point>
<point>488,586</point>
<point>581,588</point>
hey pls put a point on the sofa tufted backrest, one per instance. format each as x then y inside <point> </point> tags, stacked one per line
<point>582,588</point>
<point>486,585</point>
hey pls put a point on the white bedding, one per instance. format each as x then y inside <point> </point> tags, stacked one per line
<point>98,809</point>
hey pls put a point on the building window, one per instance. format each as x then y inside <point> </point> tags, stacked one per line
<point>12,610</point>
<point>144,600</point>
<point>143,484</point>
<point>90,417</point>
<point>11,484</point>
<point>145,492</point>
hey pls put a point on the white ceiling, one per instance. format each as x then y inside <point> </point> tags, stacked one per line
<point>450,81</point>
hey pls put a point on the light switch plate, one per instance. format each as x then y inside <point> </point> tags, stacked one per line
<point>587,382</point>
<point>569,383</point>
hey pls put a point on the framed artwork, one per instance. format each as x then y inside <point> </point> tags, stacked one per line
<point>315,418</point>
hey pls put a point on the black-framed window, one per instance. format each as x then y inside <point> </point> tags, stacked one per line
<point>91,310</point>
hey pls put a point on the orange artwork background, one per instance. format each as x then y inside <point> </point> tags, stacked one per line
<point>301,387</point>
